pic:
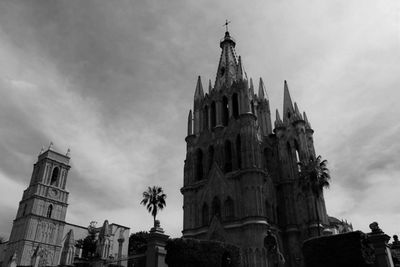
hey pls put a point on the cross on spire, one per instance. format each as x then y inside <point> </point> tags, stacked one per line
<point>226,24</point>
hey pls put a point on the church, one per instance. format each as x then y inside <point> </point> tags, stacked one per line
<point>241,172</point>
<point>41,236</point>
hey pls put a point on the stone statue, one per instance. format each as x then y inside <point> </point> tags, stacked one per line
<point>274,256</point>
<point>375,228</point>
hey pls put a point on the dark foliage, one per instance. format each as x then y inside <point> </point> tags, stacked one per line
<point>182,252</point>
<point>88,246</point>
<point>138,242</point>
<point>343,250</point>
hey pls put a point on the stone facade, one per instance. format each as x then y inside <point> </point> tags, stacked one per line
<point>41,236</point>
<point>38,228</point>
<point>241,174</point>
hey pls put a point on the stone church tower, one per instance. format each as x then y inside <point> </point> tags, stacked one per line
<point>36,236</point>
<point>241,174</point>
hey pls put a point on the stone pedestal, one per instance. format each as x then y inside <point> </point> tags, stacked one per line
<point>379,240</point>
<point>155,253</point>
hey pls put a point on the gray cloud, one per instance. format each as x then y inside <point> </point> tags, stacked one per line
<point>115,81</point>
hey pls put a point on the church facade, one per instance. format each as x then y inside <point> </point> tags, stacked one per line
<point>41,236</point>
<point>241,172</point>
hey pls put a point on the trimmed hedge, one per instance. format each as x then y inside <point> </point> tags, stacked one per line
<point>185,252</point>
<point>343,250</point>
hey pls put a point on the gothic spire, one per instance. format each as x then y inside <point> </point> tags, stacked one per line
<point>251,89</point>
<point>228,67</point>
<point>209,86</point>
<point>287,103</point>
<point>198,94</point>
<point>261,90</point>
<point>278,121</point>
<point>297,113</point>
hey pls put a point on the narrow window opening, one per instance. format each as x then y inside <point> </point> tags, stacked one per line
<point>216,207</point>
<point>54,176</point>
<point>49,211</point>
<point>235,106</point>
<point>252,107</point>
<point>297,156</point>
<point>205,118</point>
<point>239,151</point>
<point>225,111</point>
<point>213,115</point>
<point>24,210</point>
<point>210,157</point>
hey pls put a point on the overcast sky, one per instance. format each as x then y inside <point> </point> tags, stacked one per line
<point>114,81</point>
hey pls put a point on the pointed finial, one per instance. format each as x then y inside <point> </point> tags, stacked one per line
<point>199,89</point>
<point>209,86</point>
<point>297,112</point>
<point>287,103</point>
<point>261,90</point>
<point>68,154</point>
<point>41,151</point>
<point>50,146</point>
<point>278,117</point>
<point>308,125</point>
<point>251,89</point>
<point>240,68</point>
<point>278,121</point>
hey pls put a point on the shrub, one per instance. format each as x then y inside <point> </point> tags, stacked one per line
<point>343,250</point>
<point>184,252</point>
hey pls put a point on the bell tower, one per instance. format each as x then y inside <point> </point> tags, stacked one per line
<point>36,236</point>
<point>228,193</point>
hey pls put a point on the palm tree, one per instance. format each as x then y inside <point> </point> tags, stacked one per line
<point>314,176</point>
<point>154,200</point>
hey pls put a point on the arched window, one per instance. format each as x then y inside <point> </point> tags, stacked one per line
<point>239,151</point>
<point>199,164</point>
<point>210,157</point>
<point>235,105</point>
<point>229,209</point>
<point>54,176</point>
<point>228,156</point>
<point>216,207</point>
<point>205,118</point>
<point>213,115</point>
<point>204,215</point>
<point>225,111</point>
<point>49,211</point>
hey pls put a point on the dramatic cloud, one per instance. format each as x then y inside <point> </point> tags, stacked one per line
<point>114,81</point>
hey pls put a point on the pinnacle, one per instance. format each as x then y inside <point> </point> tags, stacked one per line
<point>261,90</point>
<point>199,89</point>
<point>287,102</point>
<point>308,125</point>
